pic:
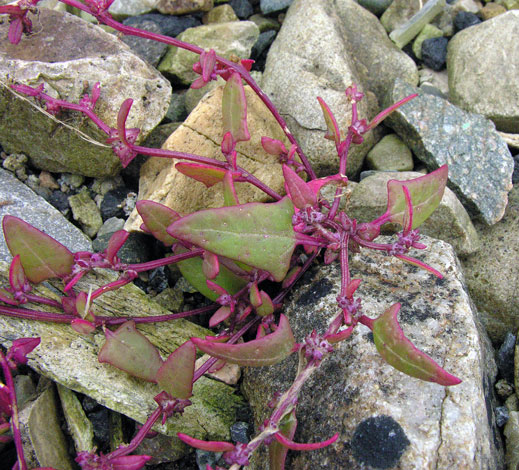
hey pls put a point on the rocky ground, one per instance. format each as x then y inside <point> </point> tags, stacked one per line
<point>460,56</point>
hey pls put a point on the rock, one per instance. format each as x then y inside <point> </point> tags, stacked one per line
<point>377,7</point>
<point>201,134</point>
<point>399,12</point>
<point>450,222</point>
<point>124,8</point>
<point>177,107</point>
<point>22,202</point>
<point>261,45</point>
<point>85,211</point>
<point>60,201</point>
<point>493,275</point>
<point>147,49</point>
<point>434,52</point>
<point>24,389</point>
<point>242,8</point>
<point>390,154</point>
<point>505,357</point>
<point>171,299</point>
<point>480,164</point>
<point>482,82</point>
<point>264,23</point>
<point>465,19</point>
<point>53,57</point>
<point>428,31</point>
<point>512,440</point>
<point>240,432</point>
<point>161,448</point>
<point>511,4</point>
<point>235,37</point>
<point>221,14</point>
<point>79,426</point>
<point>434,82</point>
<point>111,205</point>
<point>272,6</point>
<point>413,424</point>
<point>491,10</point>
<point>44,444</point>
<point>180,7</point>
<point>137,248</point>
<point>169,25</point>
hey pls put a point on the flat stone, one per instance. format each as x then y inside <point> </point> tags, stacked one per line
<point>124,8</point>
<point>66,53</point>
<point>386,419</point>
<point>399,12</point>
<point>390,154</point>
<point>438,133</point>
<point>272,6</point>
<point>427,32</point>
<point>221,14</point>
<point>482,81</point>
<point>86,212</point>
<point>201,134</point>
<point>180,7</point>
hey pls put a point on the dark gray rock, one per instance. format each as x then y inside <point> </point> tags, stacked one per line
<point>505,357</point>
<point>170,25</point>
<point>242,8</point>
<point>147,49</point>
<point>438,133</point>
<point>111,205</point>
<point>434,52</point>
<point>240,432</point>
<point>377,7</point>
<point>272,6</point>
<point>465,19</point>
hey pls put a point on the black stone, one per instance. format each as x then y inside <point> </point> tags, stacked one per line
<point>147,49</point>
<point>464,19</point>
<point>242,8</point>
<point>315,292</point>
<point>204,458</point>
<point>59,200</point>
<point>101,426</point>
<point>505,358</point>
<point>89,404</point>
<point>158,280</point>
<point>260,49</point>
<point>502,415</point>
<point>111,203</point>
<point>137,248</point>
<point>379,441</point>
<point>169,25</point>
<point>434,52</point>
<point>240,432</point>
<point>515,174</point>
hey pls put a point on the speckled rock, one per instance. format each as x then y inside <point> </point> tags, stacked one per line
<point>390,154</point>
<point>66,53</point>
<point>480,80</point>
<point>428,31</point>
<point>480,164</point>
<point>181,7</point>
<point>271,6</point>
<point>493,275</point>
<point>86,212</point>
<point>124,8</point>
<point>147,49</point>
<point>399,12</point>
<point>231,38</point>
<point>377,7</point>
<point>491,10</point>
<point>449,222</point>
<point>385,419</point>
<point>201,133</point>
<point>221,14</point>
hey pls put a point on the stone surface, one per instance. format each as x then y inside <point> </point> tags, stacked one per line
<point>407,423</point>
<point>86,212</point>
<point>434,52</point>
<point>438,133</point>
<point>427,32</point>
<point>465,19</point>
<point>264,23</point>
<point>147,49</point>
<point>221,14</point>
<point>482,81</point>
<point>201,134</point>
<point>181,7</point>
<point>399,12</point>
<point>242,8</point>
<point>377,7</point>
<point>390,154</point>
<point>66,53</point>
<point>491,10</point>
<point>272,6</point>
<point>169,25</point>
<point>449,222</point>
<point>123,8</point>
<point>44,443</point>
<point>493,275</point>
<point>231,38</point>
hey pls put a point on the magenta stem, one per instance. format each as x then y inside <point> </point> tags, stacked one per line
<point>140,267</point>
<point>42,300</point>
<point>19,312</point>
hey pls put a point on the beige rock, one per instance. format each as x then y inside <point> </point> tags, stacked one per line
<point>221,14</point>
<point>201,134</point>
<point>179,7</point>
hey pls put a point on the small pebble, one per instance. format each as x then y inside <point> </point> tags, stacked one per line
<point>240,432</point>
<point>434,52</point>
<point>465,19</point>
<point>242,8</point>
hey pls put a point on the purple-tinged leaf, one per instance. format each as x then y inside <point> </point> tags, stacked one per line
<point>273,146</point>
<point>175,376</point>
<point>254,295</point>
<point>278,452</point>
<point>296,446</point>
<point>131,351</point>
<point>340,336</point>
<point>386,112</point>
<point>268,350</point>
<point>228,144</point>
<point>15,30</point>
<point>234,109</point>
<point>317,184</point>
<point>258,234</point>
<point>291,276</point>
<point>117,240</point>
<point>83,327</point>
<point>222,314</point>
<point>204,173</point>
<point>42,257</point>
<point>420,264</point>
<point>266,307</point>
<point>7,297</point>
<point>20,348</point>
<point>83,303</point>
<point>210,265</point>
<point>352,287</point>
<point>217,289</point>
<point>208,61</point>
<point>297,189</point>
<point>399,352</point>
<point>124,110</point>
<point>211,446</point>
<point>333,132</point>
<point>17,277</point>
<point>230,198</point>
<point>129,462</point>
<point>426,193</point>
<point>157,219</point>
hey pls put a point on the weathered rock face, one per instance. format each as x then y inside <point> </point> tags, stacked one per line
<point>201,134</point>
<point>438,133</point>
<point>180,7</point>
<point>66,53</point>
<point>386,419</point>
<point>481,80</point>
<point>493,275</point>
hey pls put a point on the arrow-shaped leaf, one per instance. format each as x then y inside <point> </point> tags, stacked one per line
<point>331,123</point>
<point>175,376</point>
<point>399,352</point>
<point>300,193</point>
<point>234,109</point>
<point>206,174</point>
<point>42,257</point>
<point>265,351</point>
<point>426,193</point>
<point>258,234</point>
<point>157,218</point>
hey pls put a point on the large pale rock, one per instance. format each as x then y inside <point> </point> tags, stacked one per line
<point>449,222</point>
<point>201,134</point>
<point>493,275</point>
<point>65,54</point>
<point>482,81</point>
<point>180,7</point>
<point>234,38</point>
<point>386,419</point>
<point>124,8</point>
<point>438,133</point>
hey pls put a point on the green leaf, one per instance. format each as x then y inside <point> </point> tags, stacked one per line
<point>157,218</point>
<point>131,351</point>
<point>300,193</point>
<point>192,270</point>
<point>234,109</point>
<point>42,257</point>
<point>175,376</point>
<point>278,452</point>
<point>206,174</point>
<point>331,123</point>
<point>257,234</point>
<point>230,198</point>
<point>426,194</point>
<point>399,352</point>
<point>265,351</point>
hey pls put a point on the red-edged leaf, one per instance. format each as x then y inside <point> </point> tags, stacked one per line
<point>131,351</point>
<point>234,109</point>
<point>83,306</point>
<point>210,265</point>
<point>121,119</point>
<point>265,351</point>
<point>317,184</point>
<point>157,219</point>
<point>296,446</point>
<point>258,234</point>
<point>300,193</point>
<point>117,240</point>
<point>211,446</point>
<point>426,193</point>
<point>83,327</point>
<point>333,132</point>
<point>266,307</point>
<point>175,376</point>
<point>17,277</point>
<point>204,173</point>
<point>341,336</point>
<point>278,452</point>
<point>223,313</point>
<point>399,352</point>
<point>7,297</point>
<point>208,61</point>
<point>273,146</point>
<point>21,347</point>
<point>228,144</point>
<point>42,257</point>
<point>15,30</point>
<point>230,198</point>
<point>254,295</point>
